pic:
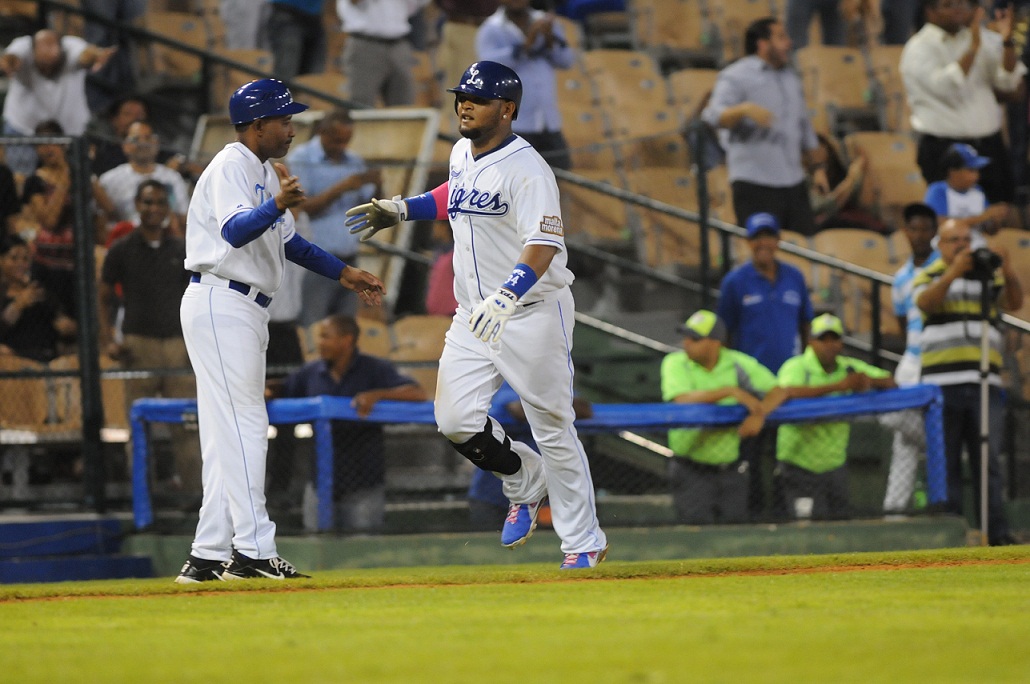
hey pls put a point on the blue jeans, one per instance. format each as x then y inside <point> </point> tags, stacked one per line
<point>899,18</point>
<point>298,42</point>
<point>799,18</point>
<point>962,429</point>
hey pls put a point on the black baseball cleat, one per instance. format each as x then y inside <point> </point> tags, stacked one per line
<point>242,567</point>
<point>199,570</point>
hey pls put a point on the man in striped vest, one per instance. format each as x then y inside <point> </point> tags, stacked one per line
<point>948,293</point>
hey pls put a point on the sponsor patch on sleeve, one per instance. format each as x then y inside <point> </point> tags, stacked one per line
<point>552,225</point>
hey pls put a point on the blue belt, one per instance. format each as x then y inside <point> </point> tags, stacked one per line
<point>260,298</point>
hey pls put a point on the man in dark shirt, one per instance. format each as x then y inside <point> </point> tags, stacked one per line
<point>147,266</point>
<point>359,473</point>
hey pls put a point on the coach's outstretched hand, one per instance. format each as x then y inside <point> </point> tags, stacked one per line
<point>369,219</point>
<point>489,318</point>
<point>369,288</point>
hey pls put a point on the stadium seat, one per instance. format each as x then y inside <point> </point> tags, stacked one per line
<point>1017,243</point>
<point>23,401</point>
<point>586,131</point>
<point>836,80</point>
<point>161,65</point>
<point>671,30</point>
<point>668,240</point>
<point>419,338</point>
<point>884,61</point>
<point>376,338</point>
<point>68,394</point>
<point>730,18</point>
<point>225,79</point>
<point>849,294</point>
<point>690,88</point>
<point>893,178</point>
<point>330,83</point>
<point>592,215</point>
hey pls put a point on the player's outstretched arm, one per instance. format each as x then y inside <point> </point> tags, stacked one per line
<point>369,288</point>
<point>368,219</point>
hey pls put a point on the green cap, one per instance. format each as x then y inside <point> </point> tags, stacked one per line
<point>702,324</point>
<point>827,323</point>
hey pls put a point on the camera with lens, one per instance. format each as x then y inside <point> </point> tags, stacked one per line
<point>985,263</point>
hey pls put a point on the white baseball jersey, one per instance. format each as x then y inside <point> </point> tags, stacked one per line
<point>498,203</point>
<point>236,181</point>
<point>483,196</point>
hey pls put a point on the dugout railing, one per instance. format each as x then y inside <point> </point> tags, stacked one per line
<point>621,419</point>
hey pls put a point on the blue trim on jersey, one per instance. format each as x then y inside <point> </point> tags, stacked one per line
<point>507,141</point>
<point>421,207</point>
<point>247,226</point>
<point>313,257</point>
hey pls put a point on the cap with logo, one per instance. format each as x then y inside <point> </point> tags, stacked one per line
<point>761,222</point>
<point>964,156</point>
<point>704,324</point>
<point>825,324</point>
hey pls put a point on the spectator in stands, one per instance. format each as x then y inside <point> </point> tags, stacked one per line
<point>10,203</point>
<point>840,208</point>
<point>49,191</point>
<point>440,299</point>
<point>297,37</point>
<point>47,75</point>
<point>766,308</point>
<point>759,106</point>
<point>359,477</point>
<point>710,478</point>
<point>120,184</point>
<point>920,229</point>
<point>831,21</point>
<point>107,132</point>
<point>579,10</point>
<point>812,470</point>
<point>334,180</point>
<point>146,265</point>
<point>377,55</point>
<point>948,293</point>
<point>116,76</point>
<point>959,195</point>
<point>533,44</point>
<point>457,48</point>
<point>899,19</point>
<point>245,22</point>
<point>764,303</point>
<point>954,70</point>
<point>32,324</point>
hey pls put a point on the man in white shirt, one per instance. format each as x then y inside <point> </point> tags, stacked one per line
<point>952,69</point>
<point>141,146</point>
<point>47,75</point>
<point>377,57</point>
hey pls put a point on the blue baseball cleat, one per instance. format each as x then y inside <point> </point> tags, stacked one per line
<point>587,559</point>
<point>520,523</point>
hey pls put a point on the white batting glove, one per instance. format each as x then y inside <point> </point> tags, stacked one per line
<point>489,318</point>
<point>369,219</point>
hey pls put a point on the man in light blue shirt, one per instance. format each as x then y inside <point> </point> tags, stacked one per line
<point>533,44</point>
<point>759,108</point>
<point>335,180</point>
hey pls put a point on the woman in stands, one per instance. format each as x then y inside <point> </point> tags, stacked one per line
<point>32,324</point>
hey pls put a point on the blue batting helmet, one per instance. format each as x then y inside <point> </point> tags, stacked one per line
<point>491,81</point>
<point>260,99</point>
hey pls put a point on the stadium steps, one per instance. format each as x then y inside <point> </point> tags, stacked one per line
<point>66,548</point>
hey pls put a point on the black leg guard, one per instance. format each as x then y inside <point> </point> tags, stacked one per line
<point>487,453</point>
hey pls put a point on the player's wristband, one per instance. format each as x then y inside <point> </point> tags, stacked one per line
<point>421,207</point>
<point>521,279</point>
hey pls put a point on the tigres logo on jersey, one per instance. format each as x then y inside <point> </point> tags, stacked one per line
<point>476,203</point>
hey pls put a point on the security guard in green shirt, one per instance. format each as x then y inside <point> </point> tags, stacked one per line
<point>709,480</point>
<point>812,471</point>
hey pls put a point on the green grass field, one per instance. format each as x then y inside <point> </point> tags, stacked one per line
<point>960,615</point>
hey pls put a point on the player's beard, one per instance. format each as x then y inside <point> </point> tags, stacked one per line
<point>472,134</point>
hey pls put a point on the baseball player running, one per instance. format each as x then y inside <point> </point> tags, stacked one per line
<point>238,235</point>
<point>515,316</point>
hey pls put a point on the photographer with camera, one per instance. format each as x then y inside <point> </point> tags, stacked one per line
<point>958,312</point>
